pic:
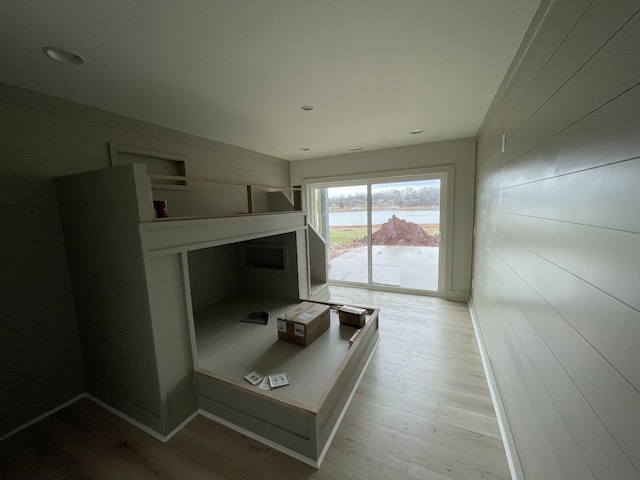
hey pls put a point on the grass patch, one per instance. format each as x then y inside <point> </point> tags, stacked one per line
<point>346,235</point>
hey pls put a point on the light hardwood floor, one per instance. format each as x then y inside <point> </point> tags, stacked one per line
<point>422,411</point>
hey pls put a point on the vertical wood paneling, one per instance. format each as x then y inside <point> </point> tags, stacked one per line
<point>43,137</point>
<point>556,270</point>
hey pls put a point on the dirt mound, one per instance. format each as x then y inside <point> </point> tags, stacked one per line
<point>394,232</point>
<point>400,232</point>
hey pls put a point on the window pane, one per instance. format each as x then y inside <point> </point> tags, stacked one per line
<point>405,228</point>
<point>347,228</point>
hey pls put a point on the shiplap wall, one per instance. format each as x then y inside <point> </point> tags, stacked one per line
<point>42,137</point>
<point>213,274</point>
<point>556,270</point>
<point>99,214</point>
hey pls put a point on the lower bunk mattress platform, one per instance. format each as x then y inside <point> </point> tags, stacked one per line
<point>299,419</point>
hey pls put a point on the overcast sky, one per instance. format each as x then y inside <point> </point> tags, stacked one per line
<point>351,190</point>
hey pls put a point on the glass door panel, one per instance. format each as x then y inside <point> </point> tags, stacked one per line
<point>405,234</point>
<point>346,227</point>
<point>384,233</point>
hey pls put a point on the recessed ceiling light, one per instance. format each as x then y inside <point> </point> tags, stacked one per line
<point>416,132</point>
<point>63,56</point>
<point>304,149</point>
<point>354,149</point>
<point>307,108</point>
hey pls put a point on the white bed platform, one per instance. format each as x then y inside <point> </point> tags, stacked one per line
<point>300,418</point>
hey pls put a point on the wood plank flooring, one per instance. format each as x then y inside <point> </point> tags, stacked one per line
<point>422,411</point>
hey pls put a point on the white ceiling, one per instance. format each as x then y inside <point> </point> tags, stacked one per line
<point>238,71</point>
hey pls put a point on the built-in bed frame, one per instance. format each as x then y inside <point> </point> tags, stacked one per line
<point>150,357</point>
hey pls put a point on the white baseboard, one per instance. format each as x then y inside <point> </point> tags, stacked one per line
<point>116,412</point>
<point>508,440</point>
<point>141,426</point>
<point>42,417</point>
<point>457,296</point>
<point>182,425</point>
<point>165,438</point>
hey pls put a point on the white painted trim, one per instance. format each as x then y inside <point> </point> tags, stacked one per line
<point>259,438</point>
<point>127,418</point>
<point>508,440</point>
<point>446,175</point>
<point>186,288</point>
<point>41,417</point>
<point>458,296</point>
<point>346,405</point>
<point>141,426</point>
<point>182,425</point>
<point>364,177</point>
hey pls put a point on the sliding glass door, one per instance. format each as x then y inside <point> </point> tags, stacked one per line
<point>382,233</point>
<point>405,234</point>
<point>342,218</point>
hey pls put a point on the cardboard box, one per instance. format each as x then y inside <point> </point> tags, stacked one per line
<point>303,323</point>
<point>356,317</point>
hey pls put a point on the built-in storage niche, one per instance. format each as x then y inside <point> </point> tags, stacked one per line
<point>265,267</point>
<point>160,163</point>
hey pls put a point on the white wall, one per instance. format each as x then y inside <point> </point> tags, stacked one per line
<point>557,251</point>
<point>459,153</point>
<point>42,137</point>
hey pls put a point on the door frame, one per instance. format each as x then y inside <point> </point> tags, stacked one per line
<point>446,175</point>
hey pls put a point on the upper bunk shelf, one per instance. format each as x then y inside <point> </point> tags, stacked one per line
<point>161,238</point>
<point>278,198</point>
<point>122,197</point>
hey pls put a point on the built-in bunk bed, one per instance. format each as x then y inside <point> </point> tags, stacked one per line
<point>159,304</point>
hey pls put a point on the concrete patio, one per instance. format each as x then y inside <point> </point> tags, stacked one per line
<point>413,268</point>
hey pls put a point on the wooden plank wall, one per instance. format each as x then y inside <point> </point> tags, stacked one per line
<point>556,270</point>
<point>42,137</point>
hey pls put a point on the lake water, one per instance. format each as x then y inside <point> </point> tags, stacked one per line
<point>337,219</point>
